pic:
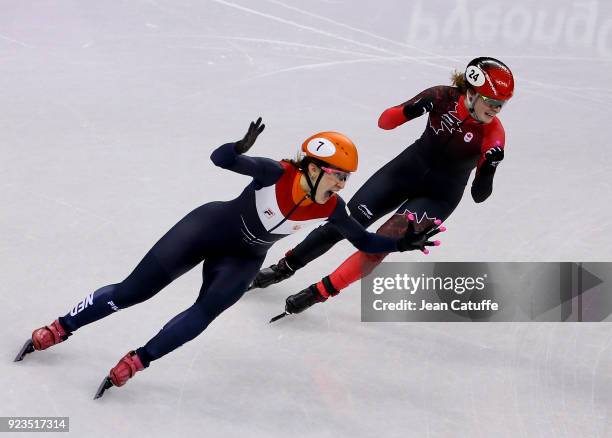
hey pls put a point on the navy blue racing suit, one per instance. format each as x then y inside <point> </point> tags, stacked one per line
<point>232,239</point>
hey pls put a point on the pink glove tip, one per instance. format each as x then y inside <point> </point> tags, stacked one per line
<point>410,217</point>
<point>442,229</point>
<point>425,251</point>
<point>437,222</point>
<point>437,243</point>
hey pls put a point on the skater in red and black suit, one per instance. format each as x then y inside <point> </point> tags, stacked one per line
<point>232,238</point>
<point>425,182</point>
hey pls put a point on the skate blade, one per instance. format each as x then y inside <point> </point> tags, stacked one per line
<point>27,348</point>
<point>106,383</point>
<point>277,317</point>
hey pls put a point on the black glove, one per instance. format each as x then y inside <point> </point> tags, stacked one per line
<point>413,239</point>
<point>303,300</point>
<point>255,128</point>
<point>494,156</point>
<point>418,108</point>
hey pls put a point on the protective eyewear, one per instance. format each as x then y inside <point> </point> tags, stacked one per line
<point>340,175</point>
<point>493,102</point>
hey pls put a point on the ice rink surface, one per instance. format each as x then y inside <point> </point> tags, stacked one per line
<point>109,112</point>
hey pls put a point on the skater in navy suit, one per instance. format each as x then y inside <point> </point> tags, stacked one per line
<point>232,239</point>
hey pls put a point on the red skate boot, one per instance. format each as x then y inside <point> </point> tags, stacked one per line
<point>43,338</point>
<point>121,373</point>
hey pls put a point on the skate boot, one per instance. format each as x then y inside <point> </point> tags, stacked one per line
<point>43,338</point>
<point>121,373</point>
<point>304,299</point>
<point>272,275</point>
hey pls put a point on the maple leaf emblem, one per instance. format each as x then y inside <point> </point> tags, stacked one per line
<point>448,122</point>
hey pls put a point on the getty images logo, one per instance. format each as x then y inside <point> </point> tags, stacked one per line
<point>578,24</point>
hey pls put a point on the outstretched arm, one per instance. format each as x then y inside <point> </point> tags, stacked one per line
<point>229,156</point>
<point>362,239</point>
<point>395,116</point>
<point>368,242</point>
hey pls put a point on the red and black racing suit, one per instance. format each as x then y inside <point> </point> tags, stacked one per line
<point>427,179</point>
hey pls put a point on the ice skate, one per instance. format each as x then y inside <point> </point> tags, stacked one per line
<point>43,338</point>
<point>120,373</point>
<point>272,275</point>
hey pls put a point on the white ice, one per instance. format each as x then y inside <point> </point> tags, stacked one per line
<point>108,113</point>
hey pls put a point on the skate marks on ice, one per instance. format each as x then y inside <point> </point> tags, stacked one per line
<point>398,56</point>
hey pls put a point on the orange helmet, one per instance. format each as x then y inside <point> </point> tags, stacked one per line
<point>332,148</point>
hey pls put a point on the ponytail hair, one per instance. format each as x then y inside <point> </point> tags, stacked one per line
<point>458,80</point>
